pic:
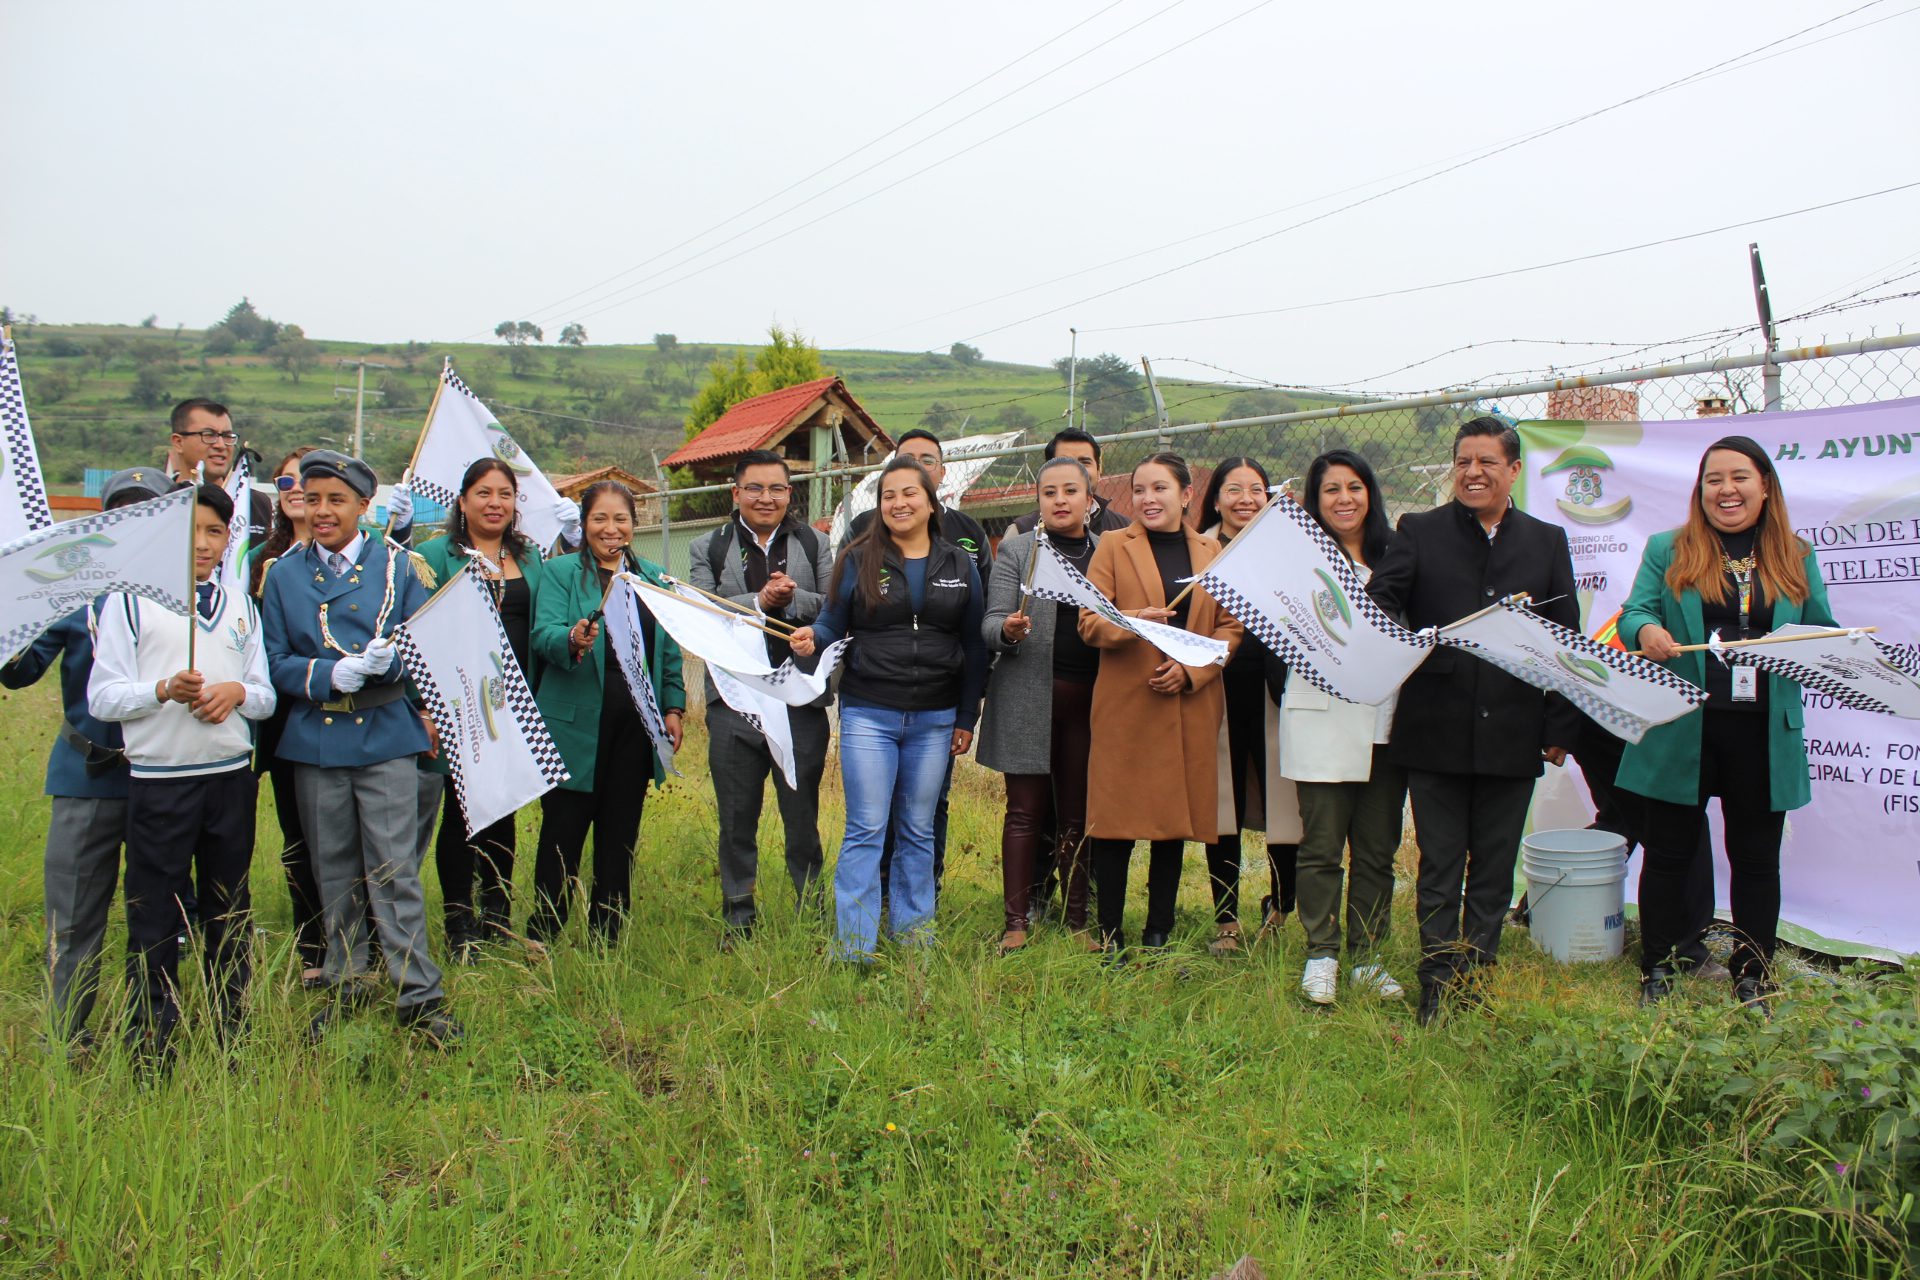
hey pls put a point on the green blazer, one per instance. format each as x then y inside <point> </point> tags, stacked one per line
<point>441,559</point>
<point>1665,765</point>
<point>570,692</point>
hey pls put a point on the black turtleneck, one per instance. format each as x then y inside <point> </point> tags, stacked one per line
<point>1171,557</point>
<point>1073,658</point>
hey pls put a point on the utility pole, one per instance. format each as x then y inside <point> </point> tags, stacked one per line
<point>359,393</point>
<point>1769,372</point>
<point>1073,371</point>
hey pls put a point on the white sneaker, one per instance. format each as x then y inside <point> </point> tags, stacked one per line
<point>1375,980</point>
<point>1318,981</point>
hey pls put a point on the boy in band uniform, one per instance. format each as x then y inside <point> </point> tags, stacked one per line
<point>329,608</point>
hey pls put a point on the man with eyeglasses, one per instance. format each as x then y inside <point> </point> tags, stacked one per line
<point>765,558</point>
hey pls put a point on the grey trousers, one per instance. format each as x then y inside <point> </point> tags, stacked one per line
<point>82,871</point>
<point>738,758</point>
<point>429,789</point>
<point>1363,821</point>
<point>361,824</point>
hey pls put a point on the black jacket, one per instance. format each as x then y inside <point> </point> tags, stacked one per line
<point>906,660</point>
<point>1457,714</point>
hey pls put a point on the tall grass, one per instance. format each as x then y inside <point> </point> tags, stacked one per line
<point>663,1109</point>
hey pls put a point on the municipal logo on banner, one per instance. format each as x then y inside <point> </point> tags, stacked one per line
<point>460,430</point>
<point>140,549</point>
<point>1852,668</point>
<point>23,493</point>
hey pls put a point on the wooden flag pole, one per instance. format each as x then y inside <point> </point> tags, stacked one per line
<point>725,613</point>
<point>1033,565</point>
<point>1748,644</point>
<point>1228,549</point>
<point>743,611</point>
<point>193,579</point>
<point>1519,597</point>
<point>421,443</point>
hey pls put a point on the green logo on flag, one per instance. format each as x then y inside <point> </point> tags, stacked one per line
<point>1331,607</point>
<point>68,558</point>
<point>508,452</point>
<point>1583,464</point>
<point>1592,670</point>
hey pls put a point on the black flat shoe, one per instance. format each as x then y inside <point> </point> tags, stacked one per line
<point>1154,940</point>
<point>432,1023</point>
<point>1656,986</point>
<point>1432,997</point>
<point>1754,994</point>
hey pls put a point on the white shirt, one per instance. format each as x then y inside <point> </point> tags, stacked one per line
<point>349,554</point>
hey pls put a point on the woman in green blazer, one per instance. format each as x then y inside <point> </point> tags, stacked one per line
<point>483,531</point>
<point>1735,569</point>
<point>593,720</point>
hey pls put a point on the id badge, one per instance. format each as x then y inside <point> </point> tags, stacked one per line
<point>1746,684</point>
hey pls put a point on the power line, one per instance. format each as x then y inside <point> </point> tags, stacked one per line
<point>633,297</point>
<point>1739,62</point>
<point>1512,271</point>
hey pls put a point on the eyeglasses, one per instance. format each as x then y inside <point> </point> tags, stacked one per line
<point>211,437</point>
<point>766,490</point>
<point>286,484</point>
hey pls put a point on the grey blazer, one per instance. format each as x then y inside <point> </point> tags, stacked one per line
<point>809,579</point>
<point>1016,725</point>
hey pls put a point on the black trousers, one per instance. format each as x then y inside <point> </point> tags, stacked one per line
<point>296,861</point>
<point>1223,876</point>
<point>1468,827</point>
<point>1624,813</point>
<point>1110,860</point>
<point>611,811</point>
<point>1734,767</point>
<point>205,825</point>
<point>486,856</point>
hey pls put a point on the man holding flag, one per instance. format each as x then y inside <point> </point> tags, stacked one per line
<point>1472,737</point>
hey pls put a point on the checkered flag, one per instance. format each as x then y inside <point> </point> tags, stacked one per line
<point>1625,694</point>
<point>1055,579</point>
<point>1851,667</point>
<point>140,549</point>
<point>23,493</point>
<point>492,736</point>
<point>460,430</point>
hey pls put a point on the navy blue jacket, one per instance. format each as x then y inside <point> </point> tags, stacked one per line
<point>301,661</point>
<point>70,641</point>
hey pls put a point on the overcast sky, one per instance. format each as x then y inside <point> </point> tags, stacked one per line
<point>385,172</point>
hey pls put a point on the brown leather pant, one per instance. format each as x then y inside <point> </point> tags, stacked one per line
<point>1041,804</point>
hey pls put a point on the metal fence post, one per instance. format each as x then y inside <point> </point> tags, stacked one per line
<point>666,513</point>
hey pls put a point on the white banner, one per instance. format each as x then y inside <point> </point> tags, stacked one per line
<point>460,432</point>
<point>492,735</point>
<point>1849,477</point>
<point>239,487</point>
<point>23,493</point>
<point>145,549</point>
<point>627,642</point>
<point>764,712</point>
<point>1854,669</point>
<point>1289,583</point>
<point>1627,695</point>
<point>960,471</point>
<point>1056,580</point>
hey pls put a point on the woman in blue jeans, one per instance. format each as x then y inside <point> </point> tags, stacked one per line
<point>909,696</point>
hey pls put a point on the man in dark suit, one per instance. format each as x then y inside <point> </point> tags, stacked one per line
<point>1472,737</point>
<point>763,558</point>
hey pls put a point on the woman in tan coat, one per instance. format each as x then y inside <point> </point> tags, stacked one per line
<point>1154,771</point>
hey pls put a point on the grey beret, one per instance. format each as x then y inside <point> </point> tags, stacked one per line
<point>135,483</point>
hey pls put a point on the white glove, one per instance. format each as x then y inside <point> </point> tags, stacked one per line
<point>350,673</point>
<point>400,504</point>
<point>378,659</point>
<point>569,513</point>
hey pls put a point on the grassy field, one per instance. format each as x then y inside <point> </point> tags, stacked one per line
<point>665,1110</point>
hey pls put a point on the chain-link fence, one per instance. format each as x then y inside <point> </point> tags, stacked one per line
<point>1408,441</point>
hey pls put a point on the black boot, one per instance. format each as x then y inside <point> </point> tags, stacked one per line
<point>1755,994</point>
<point>1432,997</point>
<point>432,1023</point>
<point>1656,986</point>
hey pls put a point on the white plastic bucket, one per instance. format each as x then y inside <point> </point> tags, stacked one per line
<point>1576,893</point>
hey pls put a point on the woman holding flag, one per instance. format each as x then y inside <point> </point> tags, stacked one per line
<point>909,696</point>
<point>1153,773</point>
<point>1734,570</point>
<point>1249,756</point>
<point>595,721</point>
<point>484,532</point>
<point>1352,796</point>
<point>1037,725</point>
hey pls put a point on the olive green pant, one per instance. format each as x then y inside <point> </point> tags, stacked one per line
<point>1363,816</point>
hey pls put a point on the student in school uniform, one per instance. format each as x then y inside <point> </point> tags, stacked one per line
<point>329,609</point>
<point>87,781</point>
<point>483,532</point>
<point>185,693</point>
<point>595,724</point>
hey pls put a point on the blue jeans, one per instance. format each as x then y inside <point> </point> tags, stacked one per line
<point>893,764</point>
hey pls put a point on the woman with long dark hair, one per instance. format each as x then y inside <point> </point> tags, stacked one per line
<point>594,720</point>
<point>909,696</point>
<point>1037,726</point>
<point>1352,796</point>
<point>296,860</point>
<point>1154,771</point>
<point>483,531</point>
<point>1735,569</point>
<point>1250,758</point>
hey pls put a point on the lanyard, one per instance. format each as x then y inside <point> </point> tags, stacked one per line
<point>1742,572</point>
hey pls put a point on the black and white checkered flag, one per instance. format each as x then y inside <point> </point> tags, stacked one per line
<point>1854,669</point>
<point>492,736</point>
<point>23,492</point>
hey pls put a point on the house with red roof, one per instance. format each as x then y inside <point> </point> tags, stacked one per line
<point>813,425</point>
